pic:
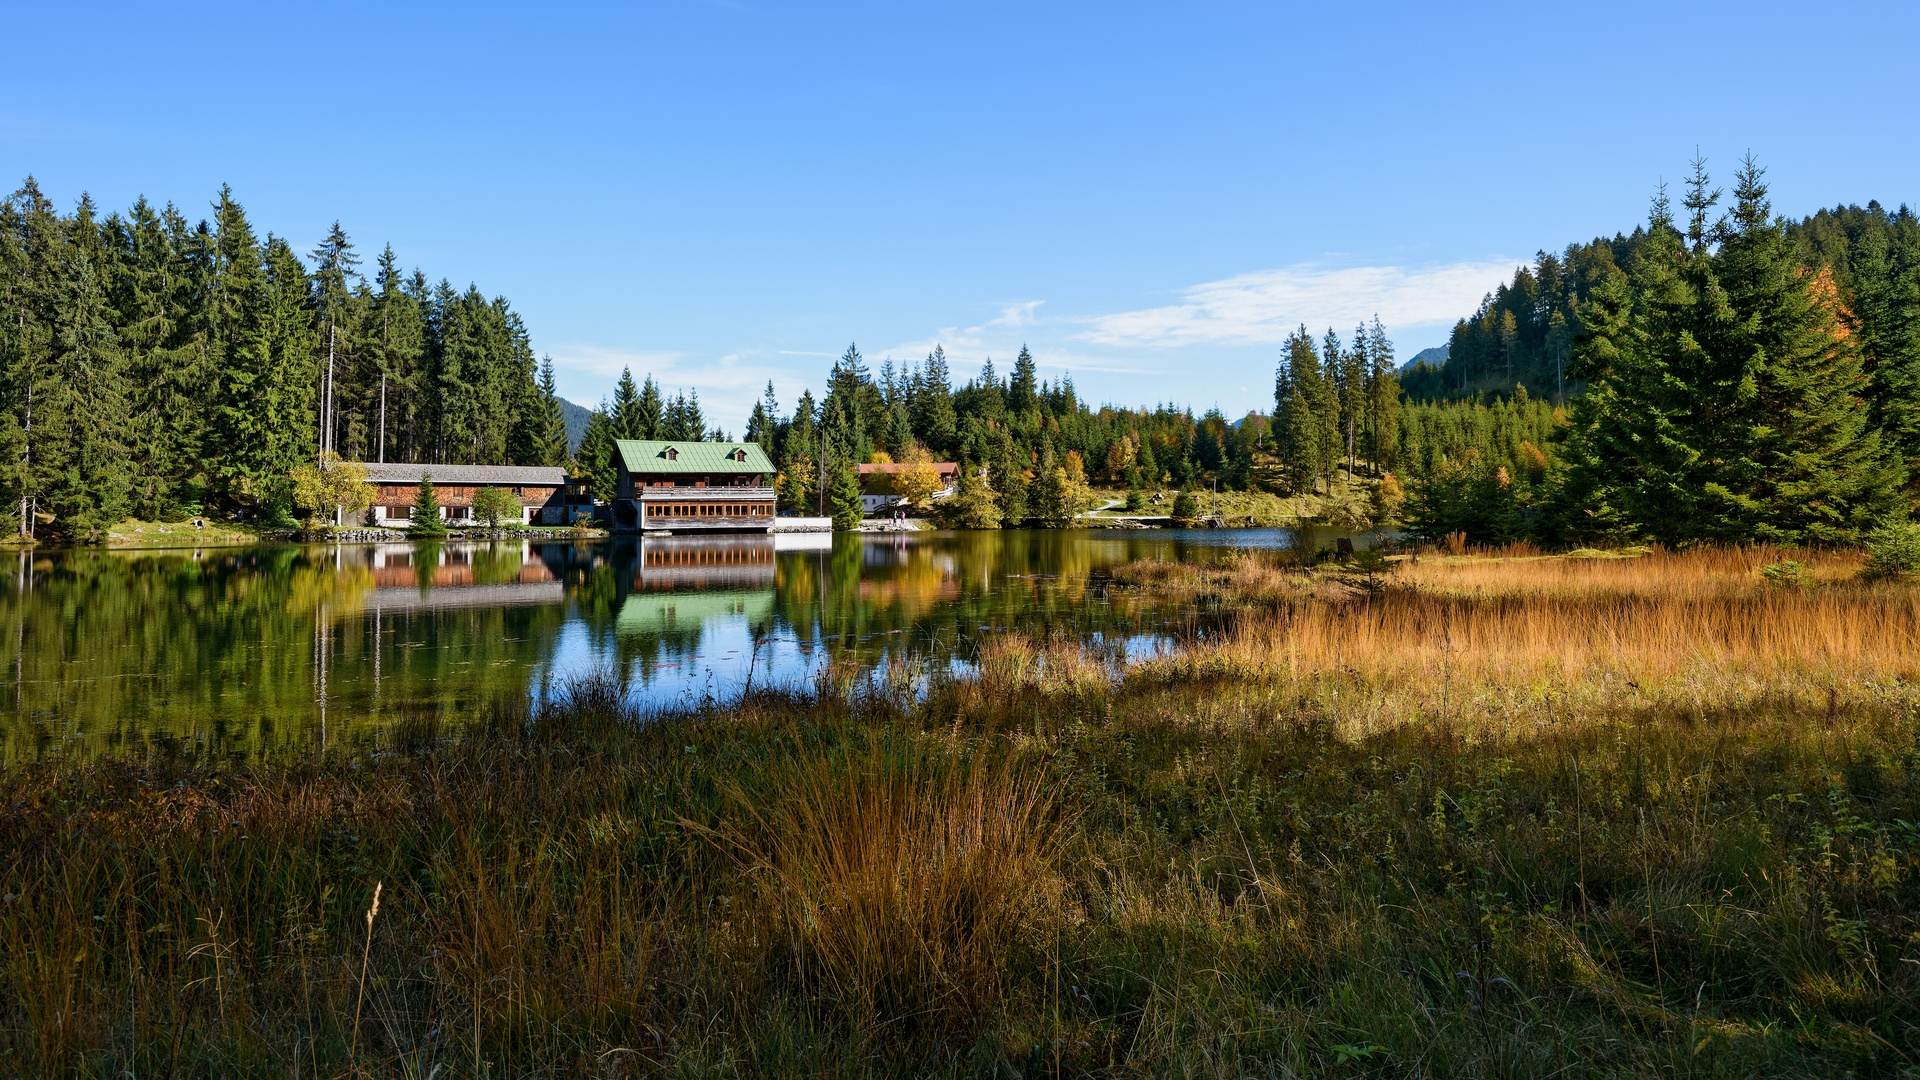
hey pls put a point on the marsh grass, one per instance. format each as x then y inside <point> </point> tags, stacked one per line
<point>1504,816</point>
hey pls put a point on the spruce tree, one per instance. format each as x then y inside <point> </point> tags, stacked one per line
<point>1299,423</point>
<point>933,417</point>
<point>240,460</point>
<point>846,504</point>
<point>625,413</point>
<point>596,455</point>
<point>1727,393</point>
<point>763,425</point>
<point>1383,400</point>
<point>555,448</point>
<point>649,413</point>
<point>1022,394</point>
<point>1886,277</point>
<point>426,520</point>
<point>87,491</point>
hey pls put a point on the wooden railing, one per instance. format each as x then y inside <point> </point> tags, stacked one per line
<point>705,494</point>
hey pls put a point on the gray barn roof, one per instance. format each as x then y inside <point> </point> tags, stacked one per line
<point>477,475</point>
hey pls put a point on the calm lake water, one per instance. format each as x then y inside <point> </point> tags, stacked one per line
<point>285,648</point>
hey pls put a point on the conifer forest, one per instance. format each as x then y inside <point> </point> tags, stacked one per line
<point>158,365</point>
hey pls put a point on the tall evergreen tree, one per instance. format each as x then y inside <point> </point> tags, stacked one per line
<point>1383,399</point>
<point>625,413</point>
<point>933,417</point>
<point>649,413</point>
<point>86,459</point>
<point>1886,277</point>
<point>1022,393</point>
<point>555,448</point>
<point>595,457</point>
<point>1726,403</point>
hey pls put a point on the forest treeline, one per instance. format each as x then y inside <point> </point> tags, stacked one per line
<point>1728,378</point>
<point>157,366</point>
<point>1037,442</point>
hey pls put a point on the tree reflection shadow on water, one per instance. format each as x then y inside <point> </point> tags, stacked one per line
<point>280,647</point>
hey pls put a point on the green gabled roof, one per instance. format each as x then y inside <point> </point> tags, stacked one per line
<point>650,456</point>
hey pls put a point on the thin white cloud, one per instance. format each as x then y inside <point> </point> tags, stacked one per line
<point>1016,315</point>
<point>1262,308</point>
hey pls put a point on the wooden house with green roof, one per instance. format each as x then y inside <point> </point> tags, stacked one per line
<point>692,487</point>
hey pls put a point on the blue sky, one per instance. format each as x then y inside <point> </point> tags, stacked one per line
<point>1150,196</point>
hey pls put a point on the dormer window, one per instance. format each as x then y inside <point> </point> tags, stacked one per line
<point>739,455</point>
<point>672,454</point>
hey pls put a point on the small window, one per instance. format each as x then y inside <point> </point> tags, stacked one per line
<point>739,455</point>
<point>672,454</point>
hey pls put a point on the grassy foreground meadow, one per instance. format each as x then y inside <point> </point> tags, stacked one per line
<point>1481,816</point>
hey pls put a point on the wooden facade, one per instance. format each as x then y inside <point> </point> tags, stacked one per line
<point>547,496</point>
<point>693,487</point>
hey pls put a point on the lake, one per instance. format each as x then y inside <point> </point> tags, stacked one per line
<point>287,648</point>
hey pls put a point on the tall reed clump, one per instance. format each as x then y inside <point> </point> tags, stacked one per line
<point>910,882</point>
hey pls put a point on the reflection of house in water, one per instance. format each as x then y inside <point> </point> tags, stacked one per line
<point>408,578</point>
<point>742,561</point>
<point>678,583</point>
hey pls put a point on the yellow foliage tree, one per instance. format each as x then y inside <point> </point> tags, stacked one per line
<point>918,482</point>
<point>329,483</point>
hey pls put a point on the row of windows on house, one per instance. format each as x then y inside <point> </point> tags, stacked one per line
<point>453,513</point>
<point>754,509</point>
<point>407,491</point>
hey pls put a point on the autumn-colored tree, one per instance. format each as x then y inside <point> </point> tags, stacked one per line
<point>331,483</point>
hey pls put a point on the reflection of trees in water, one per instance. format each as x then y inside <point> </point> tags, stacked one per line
<point>872,600</point>
<point>248,648</point>
<point>239,649</point>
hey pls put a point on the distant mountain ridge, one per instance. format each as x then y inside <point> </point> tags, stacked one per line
<point>577,416</point>
<point>1434,357</point>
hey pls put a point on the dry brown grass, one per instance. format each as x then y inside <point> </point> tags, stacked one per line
<point>1506,642</point>
<point>902,879</point>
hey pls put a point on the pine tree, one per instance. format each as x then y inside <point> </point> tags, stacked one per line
<point>763,424</point>
<point>693,422</point>
<point>1006,474</point>
<point>899,430</point>
<point>845,409</point>
<point>336,389</point>
<point>396,341</point>
<point>241,461</point>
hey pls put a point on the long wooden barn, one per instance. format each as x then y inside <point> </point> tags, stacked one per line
<point>547,496</point>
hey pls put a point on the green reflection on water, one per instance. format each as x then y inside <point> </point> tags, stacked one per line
<point>282,648</point>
